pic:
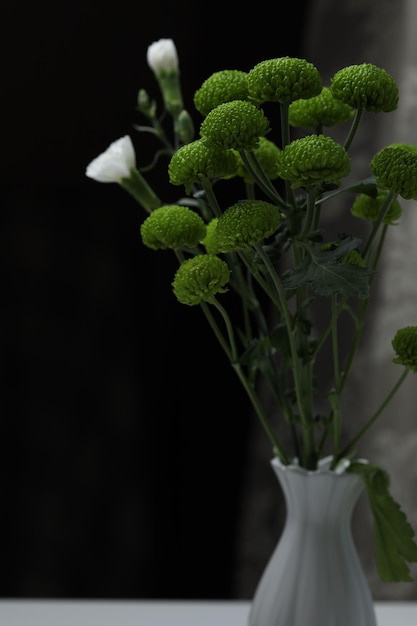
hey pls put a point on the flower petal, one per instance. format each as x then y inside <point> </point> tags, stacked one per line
<point>115,163</point>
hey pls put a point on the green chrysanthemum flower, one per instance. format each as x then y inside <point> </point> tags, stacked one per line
<point>245,224</point>
<point>200,279</point>
<point>220,87</point>
<point>267,154</point>
<point>172,226</point>
<point>283,80</point>
<point>395,169</point>
<point>368,208</point>
<point>319,112</point>
<point>312,161</point>
<point>199,162</point>
<point>210,240</point>
<point>237,124</point>
<point>365,86</point>
<point>405,346</point>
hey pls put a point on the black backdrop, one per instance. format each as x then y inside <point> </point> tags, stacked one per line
<point>122,430</point>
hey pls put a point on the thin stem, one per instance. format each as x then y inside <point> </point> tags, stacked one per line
<point>217,332</point>
<point>390,197</point>
<point>335,396</point>
<point>143,193</point>
<point>233,358</point>
<point>255,170</point>
<point>310,213</point>
<point>375,416</point>
<point>285,140</point>
<point>353,128</point>
<point>305,411</point>
<point>212,200</point>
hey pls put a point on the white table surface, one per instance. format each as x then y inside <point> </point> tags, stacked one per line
<point>158,613</point>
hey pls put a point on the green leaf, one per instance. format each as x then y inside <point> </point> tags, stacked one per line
<point>394,543</point>
<point>367,186</point>
<point>328,274</point>
<point>350,280</point>
<point>339,249</point>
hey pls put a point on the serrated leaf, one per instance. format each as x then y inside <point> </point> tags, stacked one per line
<point>344,278</point>
<point>394,537</point>
<point>339,250</point>
<point>330,276</point>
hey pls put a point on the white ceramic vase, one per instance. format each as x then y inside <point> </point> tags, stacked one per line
<point>314,577</point>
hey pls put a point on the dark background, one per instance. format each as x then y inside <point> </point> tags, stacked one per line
<point>122,432</point>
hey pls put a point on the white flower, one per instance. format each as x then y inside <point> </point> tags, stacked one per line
<point>162,56</point>
<point>116,163</point>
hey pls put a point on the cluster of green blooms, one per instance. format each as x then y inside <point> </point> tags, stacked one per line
<point>319,112</point>
<point>172,226</point>
<point>405,346</point>
<point>369,207</point>
<point>313,161</point>
<point>394,168</point>
<point>199,162</point>
<point>200,278</point>
<point>269,245</point>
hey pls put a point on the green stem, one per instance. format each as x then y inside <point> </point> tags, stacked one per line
<point>335,397</point>
<point>255,170</point>
<point>310,213</point>
<point>217,332</point>
<point>375,416</point>
<point>257,276</point>
<point>285,140</point>
<point>233,358</point>
<point>360,318</point>
<point>211,199</point>
<point>353,128</point>
<point>138,187</point>
<point>305,411</point>
<point>390,197</point>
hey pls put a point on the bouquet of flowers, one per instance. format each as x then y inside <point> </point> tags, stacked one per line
<point>270,251</point>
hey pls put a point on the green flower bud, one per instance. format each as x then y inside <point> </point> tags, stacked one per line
<point>145,105</point>
<point>210,240</point>
<point>319,111</point>
<point>200,278</point>
<point>162,58</point>
<point>220,87</point>
<point>199,162</point>
<point>267,154</point>
<point>246,224</point>
<point>172,226</point>
<point>395,169</point>
<point>368,208</point>
<point>365,86</point>
<point>312,161</point>
<point>185,127</point>
<point>405,346</point>
<point>237,124</point>
<point>283,80</point>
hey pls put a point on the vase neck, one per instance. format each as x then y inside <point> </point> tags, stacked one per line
<point>324,496</point>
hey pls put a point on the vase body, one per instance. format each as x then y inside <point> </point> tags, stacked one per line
<point>314,577</point>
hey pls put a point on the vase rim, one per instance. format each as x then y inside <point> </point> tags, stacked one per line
<point>322,468</point>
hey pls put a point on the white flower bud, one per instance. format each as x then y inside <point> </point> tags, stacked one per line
<point>162,56</point>
<point>115,164</point>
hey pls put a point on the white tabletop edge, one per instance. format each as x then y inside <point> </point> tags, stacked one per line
<point>103,612</point>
